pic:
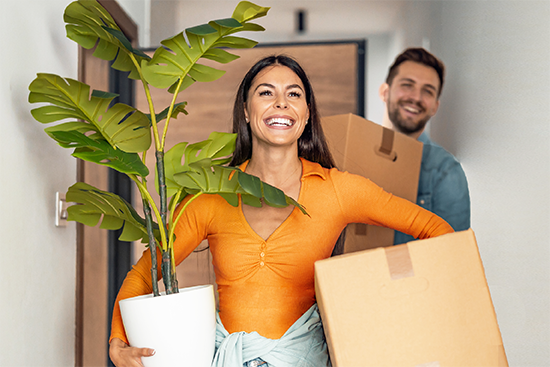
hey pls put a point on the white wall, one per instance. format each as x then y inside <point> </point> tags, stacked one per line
<point>37,266</point>
<point>140,12</point>
<point>494,115</point>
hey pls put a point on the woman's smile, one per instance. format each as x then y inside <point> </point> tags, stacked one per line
<point>279,122</point>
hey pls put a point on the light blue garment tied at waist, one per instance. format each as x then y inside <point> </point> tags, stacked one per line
<point>303,345</point>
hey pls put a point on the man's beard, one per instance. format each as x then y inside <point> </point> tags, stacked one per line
<point>402,125</point>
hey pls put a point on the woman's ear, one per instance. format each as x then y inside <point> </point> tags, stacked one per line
<point>246,114</point>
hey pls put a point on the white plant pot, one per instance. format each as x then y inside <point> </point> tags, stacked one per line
<point>180,327</point>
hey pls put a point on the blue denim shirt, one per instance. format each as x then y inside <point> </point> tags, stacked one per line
<point>442,188</point>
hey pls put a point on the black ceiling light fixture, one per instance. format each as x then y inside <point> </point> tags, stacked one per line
<point>300,21</point>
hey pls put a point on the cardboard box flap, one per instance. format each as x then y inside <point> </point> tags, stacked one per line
<point>389,159</point>
<point>422,302</point>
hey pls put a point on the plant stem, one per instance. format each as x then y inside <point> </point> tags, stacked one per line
<point>180,212</point>
<point>162,186</point>
<point>175,287</point>
<point>145,194</point>
<point>166,268</point>
<point>171,108</point>
<point>149,101</point>
<point>152,247</point>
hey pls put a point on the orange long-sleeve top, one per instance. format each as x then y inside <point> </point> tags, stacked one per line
<point>266,285</point>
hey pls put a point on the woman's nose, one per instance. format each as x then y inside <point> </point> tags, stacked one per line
<point>281,103</point>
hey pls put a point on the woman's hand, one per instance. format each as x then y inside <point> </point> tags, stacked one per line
<point>123,355</point>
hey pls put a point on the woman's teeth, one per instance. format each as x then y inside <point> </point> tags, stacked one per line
<point>279,122</point>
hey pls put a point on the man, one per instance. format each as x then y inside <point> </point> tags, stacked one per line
<point>411,94</point>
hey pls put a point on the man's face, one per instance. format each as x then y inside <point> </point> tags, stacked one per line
<point>412,98</point>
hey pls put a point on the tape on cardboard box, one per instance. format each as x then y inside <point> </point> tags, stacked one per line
<point>399,262</point>
<point>385,149</point>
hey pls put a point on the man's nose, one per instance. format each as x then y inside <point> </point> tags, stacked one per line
<point>416,94</point>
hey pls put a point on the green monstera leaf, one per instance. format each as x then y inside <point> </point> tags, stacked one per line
<point>114,212</point>
<point>89,24</point>
<point>121,126</point>
<point>177,58</point>
<point>218,147</point>
<point>98,151</point>
<point>178,108</point>
<point>247,11</point>
<point>256,189</point>
<point>229,182</point>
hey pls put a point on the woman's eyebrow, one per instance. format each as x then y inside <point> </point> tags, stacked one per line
<point>273,87</point>
<point>295,86</point>
<point>264,85</point>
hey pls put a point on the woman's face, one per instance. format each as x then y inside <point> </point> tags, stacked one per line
<point>277,109</point>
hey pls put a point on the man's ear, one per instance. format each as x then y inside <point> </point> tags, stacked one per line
<point>436,107</point>
<point>383,92</point>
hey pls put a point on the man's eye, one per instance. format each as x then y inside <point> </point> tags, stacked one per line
<point>430,92</point>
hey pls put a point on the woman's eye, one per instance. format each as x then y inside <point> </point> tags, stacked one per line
<point>265,93</point>
<point>295,94</point>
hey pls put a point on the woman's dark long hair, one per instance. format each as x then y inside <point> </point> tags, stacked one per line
<point>311,145</point>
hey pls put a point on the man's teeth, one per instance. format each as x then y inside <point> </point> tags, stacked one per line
<point>279,121</point>
<point>411,109</point>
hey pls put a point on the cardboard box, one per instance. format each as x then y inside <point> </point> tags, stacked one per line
<point>421,304</point>
<point>389,159</point>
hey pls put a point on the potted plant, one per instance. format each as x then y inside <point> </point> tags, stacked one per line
<point>120,136</point>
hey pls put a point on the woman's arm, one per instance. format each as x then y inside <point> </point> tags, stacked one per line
<point>363,201</point>
<point>136,283</point>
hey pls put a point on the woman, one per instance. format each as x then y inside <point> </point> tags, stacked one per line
<point>264,257</point>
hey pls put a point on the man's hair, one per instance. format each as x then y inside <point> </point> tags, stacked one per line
<point>421,56</point>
